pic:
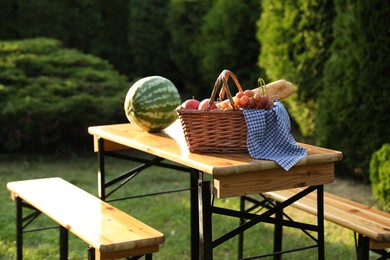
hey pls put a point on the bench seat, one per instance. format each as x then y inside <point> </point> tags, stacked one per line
<point>110,231</point>
<point>366,221</point>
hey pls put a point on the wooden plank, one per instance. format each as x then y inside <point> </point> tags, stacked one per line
<point>126,253</point>
<point>365,220</point>
<point>370,210</point>
<point>374,244</point>
<point>270,180</point>
<point>108,145</point>
<point>334,202</point>
<point>96,222</point>
<point>170,144</point>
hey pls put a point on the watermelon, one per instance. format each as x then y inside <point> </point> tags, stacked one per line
<point>151,103</point>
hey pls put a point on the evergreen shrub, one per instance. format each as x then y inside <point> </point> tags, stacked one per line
<point>149,39</point>
<point>380,176</point>
<point>295,37</point>
<point>228,41</point>
<point>353,107</point>
<point>97,27</point>
<point>49,95</point>
<point>184,20</point>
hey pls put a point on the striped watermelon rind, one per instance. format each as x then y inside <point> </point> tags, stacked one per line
<point>151,103</point>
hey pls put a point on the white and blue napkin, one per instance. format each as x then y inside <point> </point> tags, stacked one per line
<point>269,137</point>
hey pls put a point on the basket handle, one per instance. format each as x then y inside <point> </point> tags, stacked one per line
<point>223,79</point>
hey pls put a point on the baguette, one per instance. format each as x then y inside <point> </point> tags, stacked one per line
<point>280,89</point>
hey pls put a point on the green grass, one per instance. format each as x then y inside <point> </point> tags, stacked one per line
<point>168,213</point>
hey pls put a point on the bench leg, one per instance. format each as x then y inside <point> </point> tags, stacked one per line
<point>362,247</point>
<point>63,243</point>
<point>19,229</point>
<point>91,253</point>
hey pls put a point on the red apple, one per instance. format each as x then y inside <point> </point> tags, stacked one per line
<point>190,104</point>
<point>205,102</point>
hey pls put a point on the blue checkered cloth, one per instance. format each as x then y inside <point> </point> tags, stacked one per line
<point>269,137</point>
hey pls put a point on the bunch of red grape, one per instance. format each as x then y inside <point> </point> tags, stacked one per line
<point>247,99</point>
<point>257,99</point>
<point>251,99</point>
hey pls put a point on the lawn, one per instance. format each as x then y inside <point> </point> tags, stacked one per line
<point>168,213</point>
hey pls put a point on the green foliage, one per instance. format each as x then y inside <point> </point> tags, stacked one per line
<point>98,27</point>
<point>295,36</point>
<point>110,34</point>
<point>302,113</point>
<point>353,108</point>
<point>148,39</point>
<point>380,176</point>
<point>49,95</point>
<point>144,38</point>
<point>184,20</point>
<point>228,41</point>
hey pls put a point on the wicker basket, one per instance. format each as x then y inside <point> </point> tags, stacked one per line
<point>216,131</point>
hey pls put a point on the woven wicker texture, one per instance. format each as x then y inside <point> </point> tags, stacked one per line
<point>216,131</point>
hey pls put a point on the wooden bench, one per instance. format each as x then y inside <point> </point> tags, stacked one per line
<point>108,231</point>
<point>372,225</point>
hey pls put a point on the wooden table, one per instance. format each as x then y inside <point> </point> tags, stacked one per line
<point>233,175</point>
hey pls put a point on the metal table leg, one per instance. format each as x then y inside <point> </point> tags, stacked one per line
<point>280,220</point>
<point>278,234</point>
<point>320,222</point>
<point>19,229</point>
<point>194,215</point>
<point>205,225</point>
<point>101,171</point>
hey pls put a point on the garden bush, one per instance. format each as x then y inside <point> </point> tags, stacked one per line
<point>295,37</point>
<point>149,39</point>
<point>97,27</point>
<point>49,95</point>
<point>229,29</point>
<point>184,20</point>
<point>380,176</point>
<point>353,108</point>
<point>142,38</point>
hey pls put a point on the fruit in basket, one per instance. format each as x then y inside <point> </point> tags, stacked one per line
<point>252,99</point>
<point>224,105</point>
<point>191,104</point>
<point>151,103</point>
<point>205,102</point>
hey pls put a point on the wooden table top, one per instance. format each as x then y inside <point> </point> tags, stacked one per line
<point>170,144</point>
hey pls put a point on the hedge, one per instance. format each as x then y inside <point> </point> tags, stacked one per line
<point>380,176</point>
<point>49,95</point>
<point>353,107</point>
<point>295,37</point>
<point>229,29</point>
